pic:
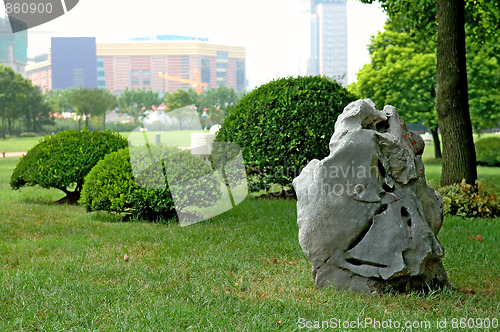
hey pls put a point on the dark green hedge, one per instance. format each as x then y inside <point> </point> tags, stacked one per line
<point>112,187</point>
<point>63,160</point>
<point>488,151</point>
<point>284,124</point>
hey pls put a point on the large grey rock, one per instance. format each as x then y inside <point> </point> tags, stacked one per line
<point>367,219</point>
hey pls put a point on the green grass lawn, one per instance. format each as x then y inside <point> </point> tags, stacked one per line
<point>22,144</point>
<point>63,269</point>
<point>18,144</point>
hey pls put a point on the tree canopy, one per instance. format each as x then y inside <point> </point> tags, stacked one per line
<point>136,102</point>
<point>20,100</point>
<point>481,20</point>
<point>88,102</point>
<point>402,73</point>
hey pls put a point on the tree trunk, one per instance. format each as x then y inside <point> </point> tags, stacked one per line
<point>437,143</point>
<point>2,134</point>
<point>87,121</point>
<point>28,120</point>
<point>459,156</point>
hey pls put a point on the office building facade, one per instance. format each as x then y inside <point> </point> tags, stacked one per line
<point>327,38</point>
<point>13,47</point>
<point>39,71</point>
<point>162,63</point>
<point>74,62</point>
<point>169,63</point>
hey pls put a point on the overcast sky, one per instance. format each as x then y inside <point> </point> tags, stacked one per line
<point>267,28</point>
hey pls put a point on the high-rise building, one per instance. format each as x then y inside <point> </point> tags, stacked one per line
<point>13,47</point>
<point>327,37</point>
<point>74,62</point>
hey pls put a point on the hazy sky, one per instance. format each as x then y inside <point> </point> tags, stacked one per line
<point>267,28</point>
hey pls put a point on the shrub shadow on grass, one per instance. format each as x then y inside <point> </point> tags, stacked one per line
<point>112,217</point>
<point>104,217</point>
<point>35,195</point>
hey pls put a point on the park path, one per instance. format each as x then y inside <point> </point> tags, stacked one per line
<point>19,154</point>
<point>12,154</point>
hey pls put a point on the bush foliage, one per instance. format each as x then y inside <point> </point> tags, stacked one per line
<point>112,187</point>
<point>63,160</point>
<point>283,125</point>
<point>488,151</point>
<point>466,200</point>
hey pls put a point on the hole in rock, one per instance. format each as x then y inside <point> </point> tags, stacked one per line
<point>406,216</point>
<point>361,235</point>
<point>381,209</point>
<point>382,126</point>
<point>381,168</point>
<point>386,187</point>
<point>358,262</point>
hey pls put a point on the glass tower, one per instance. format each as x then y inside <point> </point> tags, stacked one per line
<point>327,38</point>
<point>13,47</point>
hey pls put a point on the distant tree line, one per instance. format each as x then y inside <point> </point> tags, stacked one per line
<point>21,103</point>
<point>24,108</point>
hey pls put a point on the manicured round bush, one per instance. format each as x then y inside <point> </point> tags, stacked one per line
<point>488,151</point>
<point>112,187</point>
<point>284,124</point>
<point>63,160</point>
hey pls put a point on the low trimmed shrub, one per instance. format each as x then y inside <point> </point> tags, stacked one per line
<point>488,151</point>
<point>284,124</point>
<point>29,134</point>
<point>63,160</point>
<point>112,187</point>
<point>467,200</point>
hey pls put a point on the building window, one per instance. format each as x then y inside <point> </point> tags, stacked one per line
<point>221,65</point>
<point>205,70</point>
<point>222,55</point>
<point>240,76</point>
<point>78,77</point>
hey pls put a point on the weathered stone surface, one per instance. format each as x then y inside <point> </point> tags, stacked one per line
<point>367,219</point>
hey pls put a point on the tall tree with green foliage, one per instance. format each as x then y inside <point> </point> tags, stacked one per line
<point>402,74</point>
<point>420,18</point>
<point>88,102</point>
<point>136,102</point>
<point>179,99</point>
<point>35,110</point>
<point>58,100</point>
<point>483,76</point>
<point>18,99</point>
<point>216,102</point>
<point>459,155</point>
